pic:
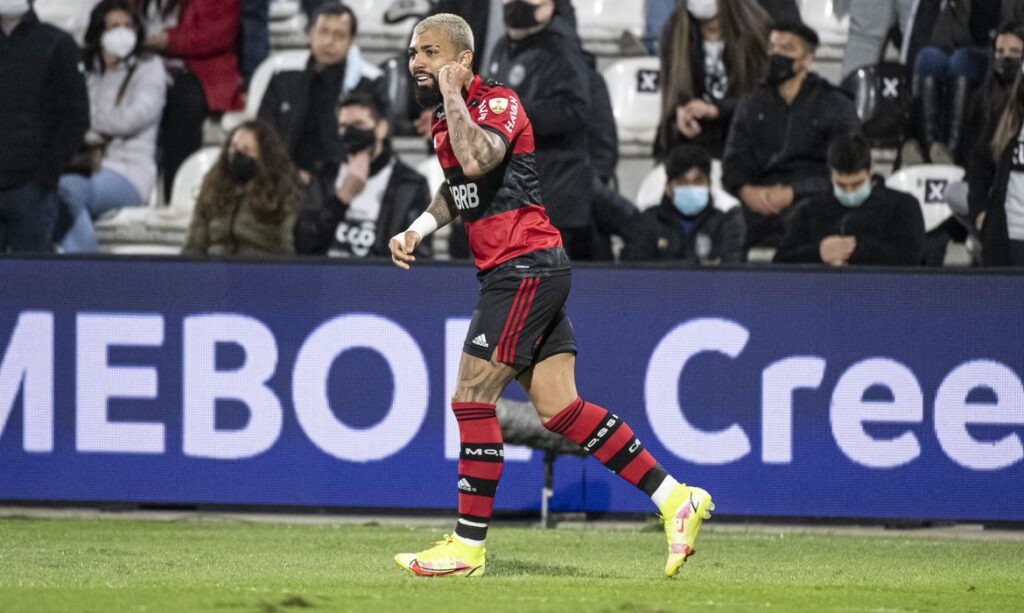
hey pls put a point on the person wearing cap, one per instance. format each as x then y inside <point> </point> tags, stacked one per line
<point>775,152</point>
<point>689,225</point>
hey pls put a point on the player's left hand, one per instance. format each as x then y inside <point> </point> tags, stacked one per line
<point>454,77</point>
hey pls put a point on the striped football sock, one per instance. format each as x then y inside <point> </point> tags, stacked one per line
<point>609,439</point>
<point>481,459</point>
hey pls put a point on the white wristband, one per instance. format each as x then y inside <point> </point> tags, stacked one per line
<point>424,225</point>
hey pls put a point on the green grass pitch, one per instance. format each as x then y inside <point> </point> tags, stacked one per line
<point>202,564</point>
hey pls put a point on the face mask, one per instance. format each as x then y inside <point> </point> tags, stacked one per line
<point>355,139</point>
<point>855,198</point>
<point>1006,69</point>
<point>119,42</point>
<point>702,10</point>
<point>780,69</point>
<point>241,167</point>
<point>13,8</point>
<point>520,15</point>
<point>690,200</point>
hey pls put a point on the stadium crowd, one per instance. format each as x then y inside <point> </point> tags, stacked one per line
<point>758,150</point>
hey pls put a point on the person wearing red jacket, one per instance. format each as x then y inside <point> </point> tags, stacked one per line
<point>199,40</point>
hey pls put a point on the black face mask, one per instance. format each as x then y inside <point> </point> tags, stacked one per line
<point>780,69</point>
<point>355,140</point>
<point>520,15</point>
<point>1006,69</point>
<point>241,167</point>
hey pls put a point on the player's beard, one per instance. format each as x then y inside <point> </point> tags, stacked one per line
<point>429,96</point>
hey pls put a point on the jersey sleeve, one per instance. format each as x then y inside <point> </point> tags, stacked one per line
<point>501,111</point>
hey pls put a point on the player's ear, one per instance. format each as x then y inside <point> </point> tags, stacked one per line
<point>467,59</point>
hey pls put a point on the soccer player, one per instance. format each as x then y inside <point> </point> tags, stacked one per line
<point>519,329</point>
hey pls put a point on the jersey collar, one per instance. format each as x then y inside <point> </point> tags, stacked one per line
<point>474,87</point>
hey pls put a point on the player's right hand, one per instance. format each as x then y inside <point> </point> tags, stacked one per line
<point>402,246</point>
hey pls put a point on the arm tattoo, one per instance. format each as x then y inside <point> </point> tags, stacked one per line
<point>477,150</point>
<point>442,206</point>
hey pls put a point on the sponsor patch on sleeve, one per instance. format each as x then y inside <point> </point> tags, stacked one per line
<point>498,105</point>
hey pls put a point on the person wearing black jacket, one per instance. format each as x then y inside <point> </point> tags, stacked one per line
<point>995,178</point>
<point>44,114</point>
<point>712,52</point>
<point>377,196</point>
<point>858,223</point>
<point>774,156</point>
<point>302,104</point>
<point>542,61</point>
<point>687,226</point>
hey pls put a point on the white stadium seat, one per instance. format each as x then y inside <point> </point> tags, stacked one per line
<point>155,230</point>
<point>634,87</point>
<point>928,183</point>
<point>609,19</point>
<point>72,16</point>
<point>374,33</point>
<point>430,168</point>
<point>653,186</point>
<point>279,61</point>
<point>821,16</point>
<point>284,9</point>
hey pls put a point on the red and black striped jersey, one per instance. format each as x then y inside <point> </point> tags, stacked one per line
<point>502,210</point>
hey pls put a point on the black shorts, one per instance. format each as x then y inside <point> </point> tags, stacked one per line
<point>520,316</point>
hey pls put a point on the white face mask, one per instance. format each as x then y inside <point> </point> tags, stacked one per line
<point>702,9</point>
<point>119,42</point>
<point>13,8</point>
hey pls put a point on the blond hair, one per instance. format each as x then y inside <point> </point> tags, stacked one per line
<point>454,27</point>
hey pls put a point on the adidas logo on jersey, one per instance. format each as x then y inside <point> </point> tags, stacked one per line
<point>481,341</point>
<point>465,486</point>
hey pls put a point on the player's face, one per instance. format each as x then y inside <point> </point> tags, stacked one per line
<point>428,52</point>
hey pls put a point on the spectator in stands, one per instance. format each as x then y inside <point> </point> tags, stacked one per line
<point>946,71</point>
<point>377,195</point>
<point>996,180</point>
<point>871,24</point>
<point>302,104</point>
<point>126,100</point>
<point>687,226</point>
<point>44,113</point>
<point>658,12</point>
<point>541,59</point>
<point>858,223</point>
<point>775,154</point>
<point>712,52</point>
<point>199,40</point>
<point>990,99</point>
<point>250,198</point>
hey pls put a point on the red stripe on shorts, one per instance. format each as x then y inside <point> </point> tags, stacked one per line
<point>510,320</point>
<point>534,282</point>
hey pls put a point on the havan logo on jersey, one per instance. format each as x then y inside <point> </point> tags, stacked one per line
<point>498,106</point>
